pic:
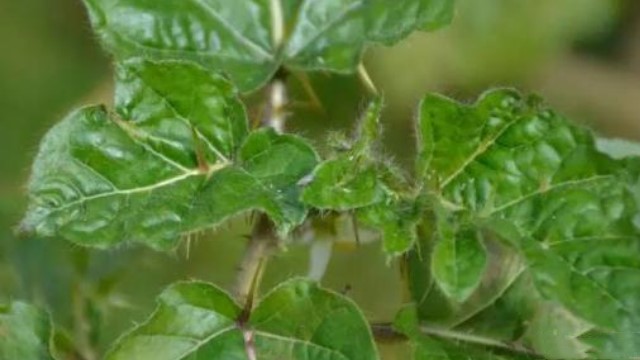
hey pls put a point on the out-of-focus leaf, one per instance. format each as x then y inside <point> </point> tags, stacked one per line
<point>25,332</point>
<point>177,160</point>
<point>618,148</point>
<point>510,166</point>
<point>296,320</point>
<point>251,39</point>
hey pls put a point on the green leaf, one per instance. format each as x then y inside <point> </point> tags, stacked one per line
<point>449,345</point>
<point>25,332</point>
<point>174,162</point>
<point>459,261</point>
<point>350,180</point>
<point>396,219</point>
<point>296,320</point>
<point>510,166</point>
<point>356,179</point>
<point>251,39</point>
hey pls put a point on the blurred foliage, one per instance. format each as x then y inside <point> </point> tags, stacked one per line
<point>49,61</point>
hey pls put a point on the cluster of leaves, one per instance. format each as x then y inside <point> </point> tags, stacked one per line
<point>517,235</point>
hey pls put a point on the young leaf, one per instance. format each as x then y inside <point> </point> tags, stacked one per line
<point>459,261</point>
<point>396,219</point>
<point>176,162</point>
<point>509,165</point>
<point>357,180</point>
<point>350,180</point>
<point>296,320</point>
<point>250,39</point>
<point>25,332</point>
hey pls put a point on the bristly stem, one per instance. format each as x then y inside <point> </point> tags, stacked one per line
<point>261,244</point>
<point>263,239</point>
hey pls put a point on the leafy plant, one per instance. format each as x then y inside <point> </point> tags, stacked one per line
<point>517,235</point>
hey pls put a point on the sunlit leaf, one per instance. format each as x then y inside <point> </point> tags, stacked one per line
<point>296,320</point>
<point>25,332</point>
<point>250,39</point>
<point>510,166</point>
<point>176,160</point>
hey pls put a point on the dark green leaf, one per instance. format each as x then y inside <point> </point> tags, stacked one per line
<point>250,39</point>
<point>25,332</point>
<point>296,320</point>
<point>177,161</point>
<point>511,166</point>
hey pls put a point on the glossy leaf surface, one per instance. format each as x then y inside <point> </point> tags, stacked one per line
<point>250,39</point>
<point>176,160</point>
<point>25,332</point>
<point>296,320</point>
<point>512,167</point>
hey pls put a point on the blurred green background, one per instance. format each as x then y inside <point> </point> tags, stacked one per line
<point>582,55</point>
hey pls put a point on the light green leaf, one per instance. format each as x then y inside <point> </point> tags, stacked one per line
<point>618,148</point>
<point>296,320</point>
<point>173,163</point>
<point>350,180</point>
<point>509,165</point>
<point>249,40</point>
<point>396,219</point>
<point>25,332</point>
<point>356,179</point>
<point>459,261</point>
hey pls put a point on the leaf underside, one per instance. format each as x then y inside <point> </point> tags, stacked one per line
<point>296,320</point>
<point>249,40</point>
<point>175,159</point>
<point>537,184</point>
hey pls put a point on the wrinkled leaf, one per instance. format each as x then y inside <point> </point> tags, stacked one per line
<point>25,332</point>
<point>296,320</point>
<point>176,160</point>
<point>511,166</point>
<point>250,39</point>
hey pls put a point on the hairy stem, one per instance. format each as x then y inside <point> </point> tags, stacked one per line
<point>261,243</point>
<point>263,238</point>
